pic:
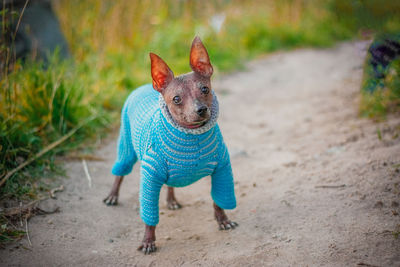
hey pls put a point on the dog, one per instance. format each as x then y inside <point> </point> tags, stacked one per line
<point>171,127</point>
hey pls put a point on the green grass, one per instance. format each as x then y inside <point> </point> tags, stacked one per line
<point>110,42</point>
<point>385,99</point>
<point>40,106</point>
<point>7,233</point>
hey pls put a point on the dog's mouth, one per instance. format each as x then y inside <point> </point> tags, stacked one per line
<point>195,124</point>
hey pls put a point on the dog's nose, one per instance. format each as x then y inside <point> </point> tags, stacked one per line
<point>202,111</point>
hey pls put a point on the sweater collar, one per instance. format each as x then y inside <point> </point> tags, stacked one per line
<point>209,124</point>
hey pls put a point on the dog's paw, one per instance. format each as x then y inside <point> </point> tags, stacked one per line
<point>227,224</point>
<point>147,247</point>
<point>173,205</point>
<point>111,200</point>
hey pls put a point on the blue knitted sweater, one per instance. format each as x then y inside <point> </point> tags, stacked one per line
<point>170,154</point>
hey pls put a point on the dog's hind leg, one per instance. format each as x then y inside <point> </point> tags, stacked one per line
<point>126,158</point>
<point>112,198</point>
<point>172,203</point>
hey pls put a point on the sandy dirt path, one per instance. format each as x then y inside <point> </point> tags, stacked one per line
<point>314,184</point>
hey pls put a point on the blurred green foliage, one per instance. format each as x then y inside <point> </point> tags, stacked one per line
<point>382,16</point>
<point>385,99</point>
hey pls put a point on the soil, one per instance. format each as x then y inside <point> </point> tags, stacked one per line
<point>316,185</point>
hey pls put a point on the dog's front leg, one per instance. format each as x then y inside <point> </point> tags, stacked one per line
<point>223,222</point>
<point>148,244</point>
<point>153,177</point>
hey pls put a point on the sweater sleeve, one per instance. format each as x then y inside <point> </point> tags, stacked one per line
<point>222,187</point>
<point>153,176</point>
<point>126,156</point>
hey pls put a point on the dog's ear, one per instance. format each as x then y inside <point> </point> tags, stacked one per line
<point>160,72</point>
<point>199,60</point>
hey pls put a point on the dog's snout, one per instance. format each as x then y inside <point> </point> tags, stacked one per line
<point>202,111</point>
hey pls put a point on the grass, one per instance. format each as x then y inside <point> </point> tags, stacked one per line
<point>40,106</point>
<point>110,42</point>
<point>384,100</point>
<point>8,234</point>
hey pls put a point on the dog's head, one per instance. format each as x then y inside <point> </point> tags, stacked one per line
<point>188,96</point>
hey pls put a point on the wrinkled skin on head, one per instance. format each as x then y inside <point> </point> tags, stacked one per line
<point>189,88</point>
<point>188,96</point>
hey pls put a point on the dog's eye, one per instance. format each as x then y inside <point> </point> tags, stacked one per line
<point>177,99</point>
<point>205,90</point>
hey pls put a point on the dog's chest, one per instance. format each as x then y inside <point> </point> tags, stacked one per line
<point>183,175</point>
<point>189,160</point>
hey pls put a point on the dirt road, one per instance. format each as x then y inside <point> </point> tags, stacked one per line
<point>314,184</point>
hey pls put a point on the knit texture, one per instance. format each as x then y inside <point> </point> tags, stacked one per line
<point>170,154</point>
